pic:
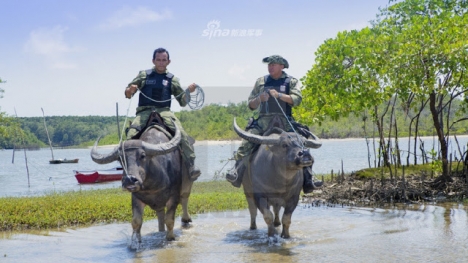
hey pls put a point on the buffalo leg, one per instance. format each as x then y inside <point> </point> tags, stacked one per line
<point>252,211</point>
<point>186,219</point>
<point>137,220</point>
<point>276,209</point>
<point>288,211</point>
<point>184,199</point>
<point>286,224</point>
<point>170,218</point>
<point>161,219</point>
<point>267,216</point>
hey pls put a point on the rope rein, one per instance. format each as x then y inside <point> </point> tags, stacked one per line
<point>265,104</point>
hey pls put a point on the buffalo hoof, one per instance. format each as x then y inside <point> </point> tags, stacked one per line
<point>186,223</point>
<point>170,237</point>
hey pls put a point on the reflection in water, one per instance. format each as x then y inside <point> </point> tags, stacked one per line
<point>425,233</point>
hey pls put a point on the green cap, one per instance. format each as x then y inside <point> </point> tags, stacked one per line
<point>276,59</point>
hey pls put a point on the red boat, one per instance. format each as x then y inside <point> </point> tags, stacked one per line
<point>99,176</point>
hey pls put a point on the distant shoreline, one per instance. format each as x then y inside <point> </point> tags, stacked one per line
<point>227,142</point>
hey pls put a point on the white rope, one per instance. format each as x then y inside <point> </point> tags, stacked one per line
<point>123,160</point>
<point>195,105</point>
<point>265,103</point>
<point>284,114</point>
<point>194,101</point>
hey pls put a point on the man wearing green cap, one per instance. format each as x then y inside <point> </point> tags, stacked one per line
<point>286,90</point>
<point>156,87</point>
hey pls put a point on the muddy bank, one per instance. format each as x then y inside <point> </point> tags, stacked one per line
<point>350,189</point>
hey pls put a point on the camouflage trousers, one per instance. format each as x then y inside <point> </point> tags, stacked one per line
<point>142,115</point>
<point>246,147</point>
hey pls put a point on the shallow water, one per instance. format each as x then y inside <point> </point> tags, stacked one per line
<point>318,234</point>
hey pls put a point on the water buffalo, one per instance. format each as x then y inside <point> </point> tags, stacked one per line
<point>273,177</point>
<point>155,175</point>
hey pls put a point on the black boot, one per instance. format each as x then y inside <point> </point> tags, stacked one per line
<point>194,172</point>
<point>235,175</point>
<point>309,185</point>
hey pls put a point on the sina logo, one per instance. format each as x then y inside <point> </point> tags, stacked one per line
<point>213,30</point>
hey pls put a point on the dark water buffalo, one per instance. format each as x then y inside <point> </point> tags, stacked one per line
<point>154,174</point>
<point>273,177</point>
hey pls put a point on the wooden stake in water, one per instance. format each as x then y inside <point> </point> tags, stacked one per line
<point>118,124</point>
<point>25,157</point>
<point>50,143</point>
<point>13,157</point>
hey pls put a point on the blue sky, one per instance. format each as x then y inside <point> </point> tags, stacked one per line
<point>76,57</point>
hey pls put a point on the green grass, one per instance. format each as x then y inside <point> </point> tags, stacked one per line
<point>82,208</point>
<point>428,169</point>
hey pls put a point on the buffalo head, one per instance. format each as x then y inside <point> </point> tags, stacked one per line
<point>285,144</point>
<point>136,156</point>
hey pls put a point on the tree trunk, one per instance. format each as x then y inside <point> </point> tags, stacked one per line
<point>440,135</point>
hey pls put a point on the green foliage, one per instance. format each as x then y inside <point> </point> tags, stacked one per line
<point>1,90</point>
<point>420,169</point>
<point>70,130</point>
<point>213,122</point>
<point>67,209</point>
<point>436,164</point>
<point>10,131</point>
<point>416,51</point>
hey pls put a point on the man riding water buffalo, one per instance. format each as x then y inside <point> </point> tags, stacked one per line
<point>156,87</point>
<point>276,94</point>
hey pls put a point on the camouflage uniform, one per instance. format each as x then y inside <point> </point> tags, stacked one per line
<point>236,175</point>
<point>143,113</point>
<point>264,119</point>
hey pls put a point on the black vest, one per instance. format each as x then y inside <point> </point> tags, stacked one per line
<point>281,85</point>
<point>158,88</point>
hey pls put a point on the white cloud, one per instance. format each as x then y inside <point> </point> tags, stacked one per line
<point>238,71</point>
<point>50,44</point>
<point>134,16</point>
<point>48,41</point>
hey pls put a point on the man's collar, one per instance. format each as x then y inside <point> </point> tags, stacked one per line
<point>154,69</point>
<point>283,75</point>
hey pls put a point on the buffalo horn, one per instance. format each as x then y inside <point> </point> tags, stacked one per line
<point>104,158</point>
<point>313,142</point>
<point>271,139</point>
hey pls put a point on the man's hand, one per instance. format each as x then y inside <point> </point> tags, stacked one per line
<point>130,90</point>
<point>274,93</point>
<point>192,87</point>
<point>264,96</point>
